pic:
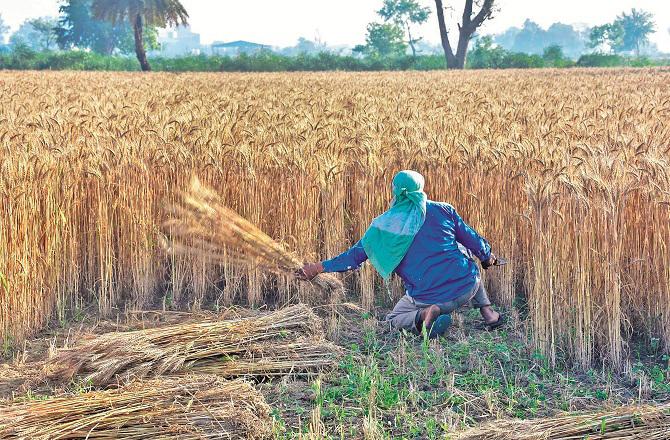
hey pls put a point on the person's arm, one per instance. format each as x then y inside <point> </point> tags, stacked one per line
<point>469,238</point>
<point>348,260</point>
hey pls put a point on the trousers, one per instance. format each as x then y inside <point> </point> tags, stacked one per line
<point>404,314</point>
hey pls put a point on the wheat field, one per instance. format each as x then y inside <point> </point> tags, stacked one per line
<point>565,172</point>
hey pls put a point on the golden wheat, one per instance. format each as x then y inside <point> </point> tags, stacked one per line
<point>287,341</point>
<point>626,422</point>
<point>565,172</point>
<point>192,407</point>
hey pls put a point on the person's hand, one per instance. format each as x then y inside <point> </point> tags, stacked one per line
<point>490,262</point>
<point>309,271</point>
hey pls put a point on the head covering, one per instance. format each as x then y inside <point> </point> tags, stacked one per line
<point>389,236</point>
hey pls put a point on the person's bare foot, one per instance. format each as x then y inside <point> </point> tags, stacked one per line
<point>429,315</point>
<point>490,316</point>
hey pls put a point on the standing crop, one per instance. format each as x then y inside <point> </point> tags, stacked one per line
<point>566,173</point>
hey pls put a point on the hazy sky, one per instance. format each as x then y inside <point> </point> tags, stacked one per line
<point>280,23</point>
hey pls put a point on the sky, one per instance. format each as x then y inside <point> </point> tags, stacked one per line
<point>343,22</point>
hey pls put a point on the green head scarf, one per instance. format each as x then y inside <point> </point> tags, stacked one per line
<point>389,236</point>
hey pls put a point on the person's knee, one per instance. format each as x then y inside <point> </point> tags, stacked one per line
<point>404,321</point>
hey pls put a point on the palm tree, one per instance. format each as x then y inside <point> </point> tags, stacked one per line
<point>141,13</point>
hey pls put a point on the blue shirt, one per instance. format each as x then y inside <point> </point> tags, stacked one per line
<point>434,269</point>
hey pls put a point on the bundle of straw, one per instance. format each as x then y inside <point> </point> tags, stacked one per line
<point>627,422</point>
<point>195,407</point>
<point>289,340</point>
<point>201,225</point>
<point>277,359</point>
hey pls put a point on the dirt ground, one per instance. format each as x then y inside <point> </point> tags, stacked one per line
<point>389,384</point>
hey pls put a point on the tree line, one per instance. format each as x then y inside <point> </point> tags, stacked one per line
<point>109,27</point>
<point>628,33</point>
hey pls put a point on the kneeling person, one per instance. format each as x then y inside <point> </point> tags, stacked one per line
<point>420,240</point>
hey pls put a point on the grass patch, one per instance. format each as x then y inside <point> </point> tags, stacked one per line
<point>397,385</point>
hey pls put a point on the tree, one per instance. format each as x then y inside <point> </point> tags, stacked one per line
<point>486,55</point>
<point>610,35</point>
<point>77,28</point>
<point>636,29</point>
<point>571,41</point>
<point>507,38</point>
<point>45,26</point>
<point>36,34</point>
<point>466,29</point>
<point>627,33</point>
<point>553,55</point>
<point>530,39</point>
<point>3,29</point>
<point>141,13</point>
<point>598,36</point>
<point>305,47</point>
<point>404,13</point>
<point>383,40</point>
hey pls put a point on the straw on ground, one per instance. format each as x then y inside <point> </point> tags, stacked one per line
<point>626,422</point>
<point>194,407</point>
<point>286,341</point>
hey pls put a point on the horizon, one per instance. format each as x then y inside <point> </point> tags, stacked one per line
<point>322,22</point>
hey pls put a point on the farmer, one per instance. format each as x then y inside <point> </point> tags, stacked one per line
<point>425,243</point>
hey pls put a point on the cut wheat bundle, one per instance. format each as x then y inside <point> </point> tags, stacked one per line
<point>285,341</point>
<point>267,360</point>
<point>627,422</point>
<point>202,225</point>
<point>194,407</point>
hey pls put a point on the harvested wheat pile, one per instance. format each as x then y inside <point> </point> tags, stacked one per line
<point>628,422</point>
<point>277,359</point>
<point>195,407</point>
<point>285,341</point>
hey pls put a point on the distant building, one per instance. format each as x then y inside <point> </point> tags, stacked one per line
<point>180,41</point>
<point>235,48</point>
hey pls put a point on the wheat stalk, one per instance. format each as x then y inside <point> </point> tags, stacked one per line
<point>201,225</point>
